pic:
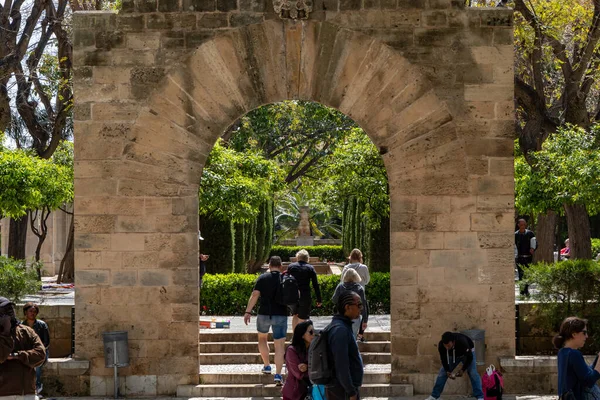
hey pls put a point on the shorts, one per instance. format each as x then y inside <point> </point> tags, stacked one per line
<point>278,323</point>
<point>303,307</point>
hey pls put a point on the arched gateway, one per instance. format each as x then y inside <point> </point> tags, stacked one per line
<point>432,87</point>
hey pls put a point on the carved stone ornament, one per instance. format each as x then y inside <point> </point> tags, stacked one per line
<point>294,9</point>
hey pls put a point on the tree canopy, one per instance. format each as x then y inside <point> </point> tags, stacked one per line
<point>31,183</point>
<point>234,184</point>
<point>299,135</point>
<point>564,171</point>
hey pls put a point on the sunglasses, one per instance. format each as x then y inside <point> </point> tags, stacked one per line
<point>585,332</point>
<point>359,305</point>
<point>311,332</point>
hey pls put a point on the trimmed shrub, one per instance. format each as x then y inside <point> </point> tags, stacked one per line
<point>567,288</point>
<point>219,237</point>
<point>595,247</point>
<point>228,294</point>
<point>328,252</point>
<point>17,279</point>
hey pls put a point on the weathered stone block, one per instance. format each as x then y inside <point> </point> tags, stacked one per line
<point>92,278</point>
<point>430,240</point>
<point>492,222</point>
<point>460,240</point>
<point>124,278</point>
<point>214,20</point>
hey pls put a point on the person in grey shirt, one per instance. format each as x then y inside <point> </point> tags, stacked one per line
<point>356,263</point>
<point>356,259</point>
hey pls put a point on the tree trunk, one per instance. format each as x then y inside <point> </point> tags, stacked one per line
<point>544,233</point>
<point>17,238</point>
<point>578,223</point>
<point>67,265</point>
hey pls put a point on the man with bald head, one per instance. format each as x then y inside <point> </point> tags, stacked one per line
<point>21,351</point>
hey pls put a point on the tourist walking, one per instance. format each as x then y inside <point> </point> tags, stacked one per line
<point>271,315</point>
<point>304,274</point>
<point>455,349</point>
<point>574,375</point>
<point>297,385</point>
<point>347,363</point>
<point>525,245</point>
<point>351,283</point>
<point>21,351</point>
<point>31,311</point>
<point>356,263</point>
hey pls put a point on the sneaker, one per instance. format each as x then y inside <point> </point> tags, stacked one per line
<point>266,369</point>
<point>39,389</point>
<point>278,380</point>
<point>431,398</point>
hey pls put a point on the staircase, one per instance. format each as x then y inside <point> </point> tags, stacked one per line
<point>230,367</point>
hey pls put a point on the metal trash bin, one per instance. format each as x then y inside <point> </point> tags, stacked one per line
<point>116,353</point>
<point>478,338</point>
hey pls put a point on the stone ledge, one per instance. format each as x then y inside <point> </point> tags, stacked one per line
<point>532,364</point>
<point>67,366</point>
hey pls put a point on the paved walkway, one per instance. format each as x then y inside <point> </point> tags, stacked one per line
<point>421,397</point>
<point>377,323</point>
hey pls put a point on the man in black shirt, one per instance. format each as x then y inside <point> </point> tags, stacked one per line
<point>272,315</point>
<point>525,248</point>
<point>304,274</point>
<point>455,349</point>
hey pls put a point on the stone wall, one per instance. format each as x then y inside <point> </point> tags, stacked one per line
<point>430,82</point>
<point>59,323</point>
<point>54,246</point>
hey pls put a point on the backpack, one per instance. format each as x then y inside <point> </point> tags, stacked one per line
<point>287,291</point>
<point>319,363</point>
<point>492,384</point>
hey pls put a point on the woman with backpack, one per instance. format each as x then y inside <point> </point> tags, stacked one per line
<point>576,379</point>
<point>351,282</point>
<point>297,384</point>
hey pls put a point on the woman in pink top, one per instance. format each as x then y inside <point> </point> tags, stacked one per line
<point>296,361</point>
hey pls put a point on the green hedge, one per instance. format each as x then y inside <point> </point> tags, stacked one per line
<point>227,294</point>
<point>331,253</point>
<point>566,288</point>
<point>17,279</point>
<point>595,247</point>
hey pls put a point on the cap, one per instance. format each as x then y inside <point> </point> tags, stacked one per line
<point>5,302</point>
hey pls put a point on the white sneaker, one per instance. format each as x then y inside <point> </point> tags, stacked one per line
<point>431,398</point>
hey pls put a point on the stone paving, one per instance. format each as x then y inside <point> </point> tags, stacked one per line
<point>377,323</point>
<point>421,397</point>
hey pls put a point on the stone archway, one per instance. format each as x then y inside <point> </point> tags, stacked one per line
<point>139,161</point>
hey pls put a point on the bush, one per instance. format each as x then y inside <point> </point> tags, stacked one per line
<point>567,288</point>
<point>330,253</point>
<point>228,294</point>
<point>17,279</point>
<point>595,247</point>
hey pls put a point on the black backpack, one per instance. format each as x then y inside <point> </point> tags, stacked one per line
<point>287,292</point>
<point>320,365</point>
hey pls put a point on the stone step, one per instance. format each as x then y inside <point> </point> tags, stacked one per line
<point>251,347</point>
<point>224,335</point>
<point>259,390</point>
<point>250,374</point>
<point>254,358</point>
